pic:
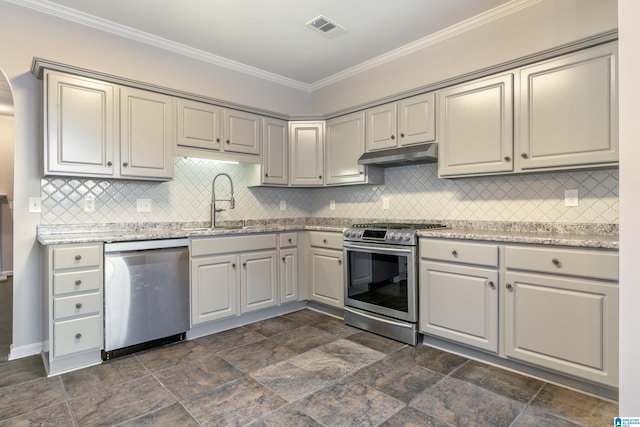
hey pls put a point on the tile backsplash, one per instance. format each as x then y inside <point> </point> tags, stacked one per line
<point>414,192</point>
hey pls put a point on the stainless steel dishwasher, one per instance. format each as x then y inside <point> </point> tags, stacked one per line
<point>146,294</point>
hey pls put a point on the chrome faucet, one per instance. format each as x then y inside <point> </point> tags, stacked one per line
<point>231,200</point>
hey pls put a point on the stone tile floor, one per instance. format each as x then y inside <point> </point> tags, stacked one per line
<point>300,369</point>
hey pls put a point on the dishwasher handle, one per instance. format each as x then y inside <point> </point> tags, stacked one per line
<point>144,245</point>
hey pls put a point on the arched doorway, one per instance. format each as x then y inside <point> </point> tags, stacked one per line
<point>6,217</point>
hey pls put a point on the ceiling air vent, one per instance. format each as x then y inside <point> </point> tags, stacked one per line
<point>327,27</point>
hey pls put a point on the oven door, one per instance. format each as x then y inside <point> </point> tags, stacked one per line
<point>381,279</point>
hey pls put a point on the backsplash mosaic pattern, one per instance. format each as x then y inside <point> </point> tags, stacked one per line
<point>414,192</point>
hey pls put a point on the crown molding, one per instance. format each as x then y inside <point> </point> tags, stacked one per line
<point>430,40</point>
<point>92,21</point>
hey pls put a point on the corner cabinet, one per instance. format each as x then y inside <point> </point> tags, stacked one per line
<point>306,162</point>
<point>344,145</point>
<point>72,307</point>
<point>326,268</point>
<point>561,310</point>
<point>98,129</point>
<point>458,288</point>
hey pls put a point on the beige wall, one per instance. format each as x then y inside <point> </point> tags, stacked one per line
<point>6,155</point>
<point>541,26</point>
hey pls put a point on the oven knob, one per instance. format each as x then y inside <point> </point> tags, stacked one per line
<point>359,234</point>
<point>406,236</point>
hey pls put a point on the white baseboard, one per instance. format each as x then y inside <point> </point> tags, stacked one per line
<point>25,350</point>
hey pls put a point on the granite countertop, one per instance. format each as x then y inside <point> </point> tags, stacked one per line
<point>575,235</point>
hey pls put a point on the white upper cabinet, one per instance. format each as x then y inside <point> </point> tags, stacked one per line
<point>343,148</point>
<point>275,151</point>
<point>97,129</point>
<point>147,134</point>
<point>199,125</point>
<point>81,125</point>
<point>568,110</point>
<point>475,127</point>
<point>242,132</point>
<point>406,122</point>
<point>417,119</point>
<point>307,148</point>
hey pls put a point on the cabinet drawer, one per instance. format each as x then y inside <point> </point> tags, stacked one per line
<point>573,262</point>
<point>76,305</point>
<point>288,240</point>
<point>76,335</point>
<point>325,240</point>
<point>459,251</point>
<point>76,281</point>
<point>76,257</point>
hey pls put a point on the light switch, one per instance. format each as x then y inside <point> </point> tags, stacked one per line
<point>89,202</point>
<point>385,203</point>
<point>283,205</point>
<point>332,205</point>
<point>143,205</point>
<point>571,197</point>
<point>35,204</point>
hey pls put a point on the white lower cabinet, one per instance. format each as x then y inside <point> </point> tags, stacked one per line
<point>326,269</point>
<point>258,281</point>
<point>556,319</point>
<point>288,267</point>
<point>214,288</point>
<point>72,306</point>
<point>458,301</point>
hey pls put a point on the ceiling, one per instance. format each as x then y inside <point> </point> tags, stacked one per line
<point>270,39</point>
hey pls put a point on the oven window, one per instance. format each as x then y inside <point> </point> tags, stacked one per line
<point>378,279</point>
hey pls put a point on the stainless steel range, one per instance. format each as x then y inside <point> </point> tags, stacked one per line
<point>381,286</point>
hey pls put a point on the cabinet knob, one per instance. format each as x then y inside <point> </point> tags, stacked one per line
<point>244,264</point>
<point>454,252</point>
<point>284,259</point>
<point>319,176</point>
<point>507,158</point>
<point>125,164</point>
<point>217,139</point>
<point>109,163</point>
<point>361,172</point>
<point>78,305</point>
<point>78,336</point>
<point>509,286</point>
<point>233,265</point>
<point>324,240</point>
<point>228,141</point>
<point>524,156</point>
<point>266,175</point>
<point>402,135</point>
<point>78,257</point>
<point>78,282</point>
<point>290,241</point>
<point>393,137</point>
<point>556,262</point>
<point>492,285</point>
<point>339,262</point>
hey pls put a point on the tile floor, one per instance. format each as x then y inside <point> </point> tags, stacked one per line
<point>300,369</point>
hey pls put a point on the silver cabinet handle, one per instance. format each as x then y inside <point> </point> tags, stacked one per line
<point>78,257</point>
<point>555,262</point>
<point>78,336</point>
<point>78,305</point>
<point>509,286</point>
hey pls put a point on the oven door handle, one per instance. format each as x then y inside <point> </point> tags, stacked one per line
<point>378,248</point>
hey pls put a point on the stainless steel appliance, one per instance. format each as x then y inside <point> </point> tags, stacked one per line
<point>381,286</point>
<point>146,294</point>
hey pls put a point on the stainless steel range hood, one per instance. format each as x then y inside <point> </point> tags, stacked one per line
<point>412,155</point>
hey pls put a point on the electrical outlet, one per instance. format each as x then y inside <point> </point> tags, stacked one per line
<point>283,205</point>
<point>571,197</point>
<point>143,205</point>
<point>332,205</point>
<point>385,203</point>
<point>35,204</point>
<point>89,202</point>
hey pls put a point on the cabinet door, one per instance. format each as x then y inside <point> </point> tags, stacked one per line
<point>242,132</point>
<point>343,148</point>
<point>258,281</point>
<point>288,276</point>
<point>306,160</point>
<point>569,110</point>
<point>475,127</point>
<point>199,125</point>
<point>459,303</point>
<point>570,325</point>
<point>382,127</point>
<point>417,119</point>
<point>81,125</point>
<point>275,151</point>
<point>327,277</point>
<point>214,288</point>
<point>147,134</point>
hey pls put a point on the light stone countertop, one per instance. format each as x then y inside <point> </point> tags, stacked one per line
<point>580,235</point>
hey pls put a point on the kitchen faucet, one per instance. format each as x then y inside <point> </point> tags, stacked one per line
<point>231,200</point>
